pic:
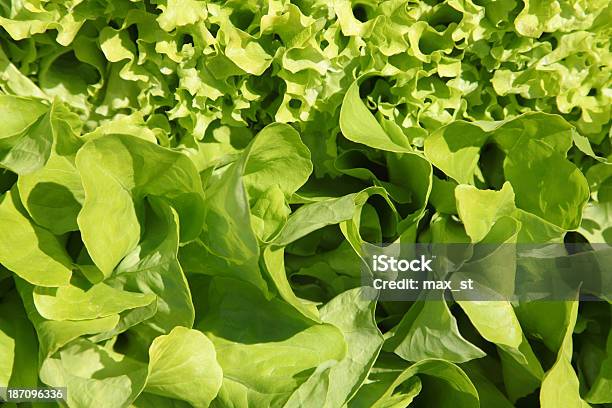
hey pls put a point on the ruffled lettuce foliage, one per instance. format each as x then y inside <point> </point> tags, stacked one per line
<point>186,186</point>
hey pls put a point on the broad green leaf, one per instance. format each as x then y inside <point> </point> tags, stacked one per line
<point>147,400</point>
<point>552,130</point>
<point>560,384</point>
<point>276,156</point>
<point>429,330</point>
<point>413,173</point>
<point>334,385</point>
<point>19,114</point>
<point>281,345</point>
<point>352,229</point>
<point>153,269</point>
<point>596,225</point>
<point>480,209</point>
<point>601,391</point>
<point>269,213</point>
<point>521,370</point>
<point>534,145</point>
<point>546,184</point>
<point>314,390</point>
<point>14,82</point>
<point>275,267</point>
<point>311,217</point>
<point>227,243</point>
<point>26,150</point>
<point>488,394</point>
<point>52,334</point>
<point>353,314</point>
<point>94,375</point>
<point>183,365</point>
<point>443,195</point>
<point>81,301</point>
<point>117,179</point>
<point>18,347</point>
<point>495,321</point>
<point>435,382</point>
<point>31,252</point>
<point>53,195</point>
<point>546,321</point>
<point>455,149</point>
<point>360,126</point>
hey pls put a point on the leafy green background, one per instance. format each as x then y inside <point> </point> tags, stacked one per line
<point>186,187</point>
